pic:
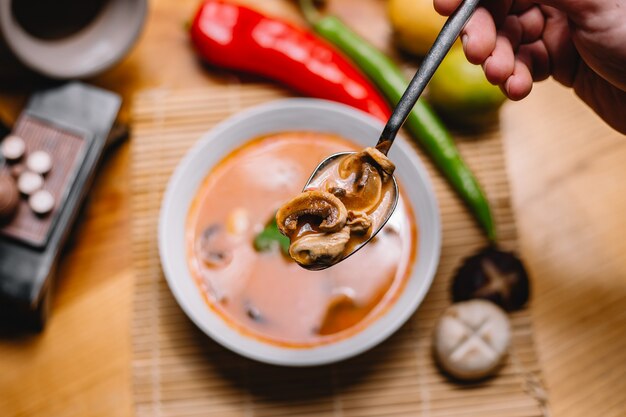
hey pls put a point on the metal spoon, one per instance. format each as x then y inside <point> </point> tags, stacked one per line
<point>446,38</point>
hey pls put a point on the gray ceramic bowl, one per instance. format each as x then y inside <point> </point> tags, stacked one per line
<point>95,48</point>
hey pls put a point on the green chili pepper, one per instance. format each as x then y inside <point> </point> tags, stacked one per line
<point>422,122</point>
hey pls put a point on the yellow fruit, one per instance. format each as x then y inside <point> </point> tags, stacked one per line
<point>460,91</point>
<point>416,24</point>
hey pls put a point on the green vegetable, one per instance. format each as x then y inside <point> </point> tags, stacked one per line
<point>422,122</point>
<point>269,237</point>
<point>460,91</point>
<point>416,24</point>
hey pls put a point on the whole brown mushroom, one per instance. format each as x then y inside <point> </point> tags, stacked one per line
<point>493,275</point>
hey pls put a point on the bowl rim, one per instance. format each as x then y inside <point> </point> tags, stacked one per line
<point>248,346</point>
<point>36,53</point>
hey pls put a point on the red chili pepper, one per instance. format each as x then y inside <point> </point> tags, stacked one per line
<point>239,38</point>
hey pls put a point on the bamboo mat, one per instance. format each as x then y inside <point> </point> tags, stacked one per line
<point>178,371</point>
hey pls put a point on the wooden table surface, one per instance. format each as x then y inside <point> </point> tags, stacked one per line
<point>567,173</point>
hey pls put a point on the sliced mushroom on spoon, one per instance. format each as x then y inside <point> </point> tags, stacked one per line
<point>361,182</point>
<point>340,209</point>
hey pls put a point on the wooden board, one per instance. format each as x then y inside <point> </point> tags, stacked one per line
<point>178,371</point>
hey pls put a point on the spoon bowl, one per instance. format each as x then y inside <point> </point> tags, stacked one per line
<point>311,184</point>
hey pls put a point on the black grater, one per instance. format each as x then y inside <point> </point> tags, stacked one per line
<point>71,122</point>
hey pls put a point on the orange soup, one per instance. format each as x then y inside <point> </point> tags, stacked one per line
<point>264,293</point>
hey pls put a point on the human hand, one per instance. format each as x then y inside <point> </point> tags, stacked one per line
<point>580,43</point>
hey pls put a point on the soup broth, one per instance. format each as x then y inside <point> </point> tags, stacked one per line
<point>265,294</point>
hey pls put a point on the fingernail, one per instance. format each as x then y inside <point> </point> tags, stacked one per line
<point>507,87</point>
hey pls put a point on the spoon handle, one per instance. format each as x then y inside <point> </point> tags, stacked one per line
<point>450,31</point>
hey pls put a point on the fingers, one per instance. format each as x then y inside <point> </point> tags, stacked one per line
<point>532,23</point>
<point>518,85</point>
<point>499,66</point>
<point>479,36</point>
<point>504,36</point>
<point>481,40</point>
<point>531,64</point>
<point>560,47</point>
<point>446,7</point>
<point>499,9</point>
<point>535,56</point>
<point>520,6</point>
<point>577,10</point>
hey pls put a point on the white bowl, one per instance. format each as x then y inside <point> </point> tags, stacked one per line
<point>290,115</point>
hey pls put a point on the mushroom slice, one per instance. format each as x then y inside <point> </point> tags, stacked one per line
<point>320,248</point>
<point>323,206</point>
<point>362,183</point>
<point>358,222</point>
<point>351,165</point>
<point>215,246</point>
<point>253,312</point>
<point>354,163</point>
<point>381,161</point>
<point>341,313</point>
